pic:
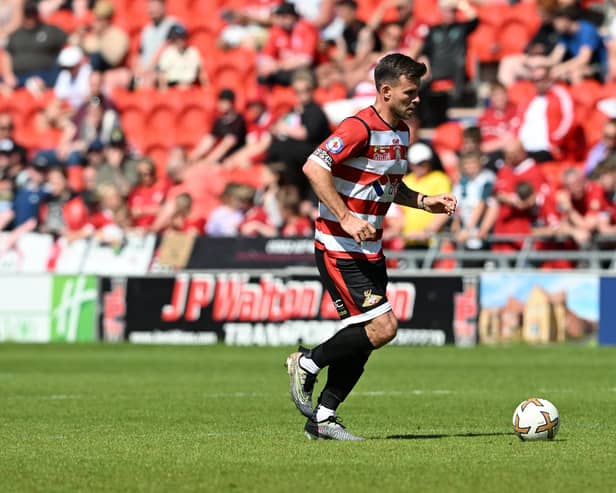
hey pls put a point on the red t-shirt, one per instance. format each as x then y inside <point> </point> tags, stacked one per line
<point>149,198</point>
<point>495,124</point>
<point>297,226</point>
<point>511,220</point>
<point>301,40</point>
<point>592,202</point>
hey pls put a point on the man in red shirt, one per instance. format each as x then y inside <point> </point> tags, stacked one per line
<point>515,213</point>
<point>357,173</point>
<point>147,197</point>
<point>291,45</point>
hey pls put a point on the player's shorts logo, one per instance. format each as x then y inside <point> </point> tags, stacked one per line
<point>370,299</point>
<point>334,145</point>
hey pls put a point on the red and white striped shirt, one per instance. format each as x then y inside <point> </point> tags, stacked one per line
<point>367,167</point>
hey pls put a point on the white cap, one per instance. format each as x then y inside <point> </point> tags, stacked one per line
<point>419,153</point>
<point>70,56</point>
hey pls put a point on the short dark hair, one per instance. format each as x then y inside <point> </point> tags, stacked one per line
<point>392,66</point>
<point>472,133</point>
<point>570,12</point>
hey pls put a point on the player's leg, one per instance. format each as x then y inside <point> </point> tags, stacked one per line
<point>369,324</point>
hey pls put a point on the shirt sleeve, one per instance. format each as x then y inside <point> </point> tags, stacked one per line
<point>588,36</point>
<point>349,140</point>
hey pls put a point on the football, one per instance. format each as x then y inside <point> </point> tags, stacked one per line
<point>536,419</point>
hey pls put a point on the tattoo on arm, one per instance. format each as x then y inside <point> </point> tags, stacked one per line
<point>407,197</point>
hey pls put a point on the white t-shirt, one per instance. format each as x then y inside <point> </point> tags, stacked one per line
<point>74,90</point>
<point>534,131</point>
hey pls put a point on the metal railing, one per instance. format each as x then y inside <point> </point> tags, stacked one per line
<point>599,254</point>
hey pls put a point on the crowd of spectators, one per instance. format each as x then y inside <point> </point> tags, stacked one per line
<point>145,116</point>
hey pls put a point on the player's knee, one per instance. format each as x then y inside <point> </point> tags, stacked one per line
<point>390,329</point>
<point>383,329</point>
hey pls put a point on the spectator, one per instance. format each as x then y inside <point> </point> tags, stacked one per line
<point>427,178</point>
<point>603,149</point>
<point>498,120</point>
<point>109,225</point>
<point>293,222</point>
<point>319,13</point>
<point>344,34</point>
<point>95,125</point>
<point>567,219</point>
<point>515,66</point>
<point>228,133</point>
<point>297,133</point>
<point>89,194</point>
<point>444,51</point>
<point>605,174</point>
<point>153,39</point>
<point>388,40</point>
<point>474,192</point>
<point>34,48</point>
<point>580,51</point>
<point>225,220</point>
<point>203,183</point>
<point>258,139</point>
<point>520,185</point>
<point>29,193</point>
<point>247,26</point>
<point>63,213</point>
<point>547,119</point>
<point>179,64</point>
<point>146,199</point>
<point>73,83</point>
<point>291,45</point>
<point>106,44</point>
<point>182,219</point>
<point>118,167</point>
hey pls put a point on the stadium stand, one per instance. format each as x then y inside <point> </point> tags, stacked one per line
<point>157,121</point>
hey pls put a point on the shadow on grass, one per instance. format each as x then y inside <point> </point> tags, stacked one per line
<point>434,436</point>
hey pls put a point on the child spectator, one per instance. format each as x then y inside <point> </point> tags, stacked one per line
<point>182,219</point>
<point>474,192</point>
<point>293,223</point>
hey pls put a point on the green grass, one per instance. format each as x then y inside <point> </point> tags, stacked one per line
<point>126,418</point>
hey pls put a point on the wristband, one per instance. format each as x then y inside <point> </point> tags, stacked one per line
<point>421,202</point>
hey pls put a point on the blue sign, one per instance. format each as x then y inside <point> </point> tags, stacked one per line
<point>607,311</point>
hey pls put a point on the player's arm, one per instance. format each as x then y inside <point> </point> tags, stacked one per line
<point>444,203</point>
<point>323,185</point>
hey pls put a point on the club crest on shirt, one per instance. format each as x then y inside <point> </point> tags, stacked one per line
<point>370,299</point>
<point>334,145</point>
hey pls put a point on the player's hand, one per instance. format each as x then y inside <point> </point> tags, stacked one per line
<point>358,228</point>
<point>444,203</point>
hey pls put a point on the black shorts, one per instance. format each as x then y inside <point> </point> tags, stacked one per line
<point>358,287</point>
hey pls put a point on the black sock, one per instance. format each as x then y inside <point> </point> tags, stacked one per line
<point>341,378</point>
<point>349,341</point>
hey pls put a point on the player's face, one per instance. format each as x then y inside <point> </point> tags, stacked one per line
<point>403,97</point>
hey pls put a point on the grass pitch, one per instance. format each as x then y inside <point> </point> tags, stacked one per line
<point>126,418</point>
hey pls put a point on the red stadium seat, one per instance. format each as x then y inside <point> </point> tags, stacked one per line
<point>527,13</point>
<point>447,136</point>
<point>521,92</point>
<point>192,123</point>
<point>482,46</point>
<point>585,95</point>
<point>593,126</point>
<point>512,37</point>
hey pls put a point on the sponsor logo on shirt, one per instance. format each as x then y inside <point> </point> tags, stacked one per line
<point>334,145</point>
